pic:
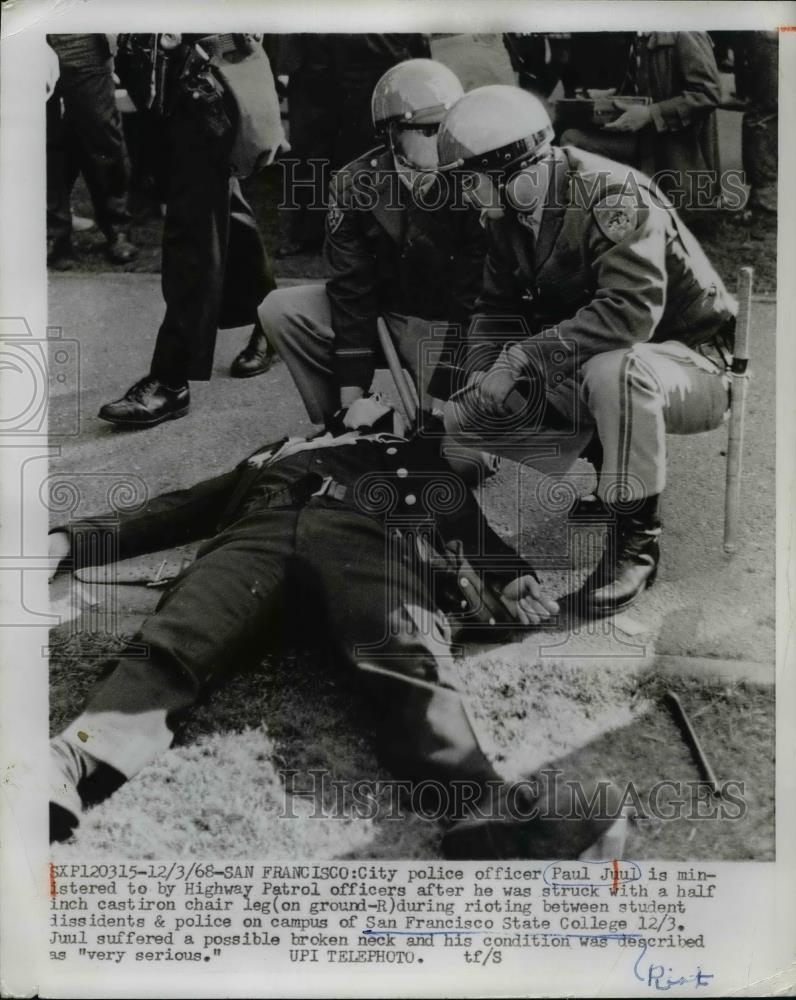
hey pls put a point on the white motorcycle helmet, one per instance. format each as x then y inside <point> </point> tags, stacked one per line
<point>493,134</point>
<point>408,104</point>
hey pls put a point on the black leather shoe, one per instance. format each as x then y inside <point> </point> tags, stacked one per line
<point>76,780</point>
<point>295,248</point>
<point>628,567</point>
<point>147,403</point>
<point>61,254</point>
<point>255,358</point>
<point>120,250</point>
<point>67,770</point>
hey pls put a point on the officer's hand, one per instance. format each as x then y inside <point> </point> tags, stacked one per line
<point>495,388</point>
<point>350,393</point>
<point>525,601</point>
<point>59,548</point>
<point>636,117</point>
<point>594,92</point>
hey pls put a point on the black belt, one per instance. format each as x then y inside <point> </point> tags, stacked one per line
<point>311,484</point>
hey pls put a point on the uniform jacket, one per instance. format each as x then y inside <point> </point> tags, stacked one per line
<point>677,70</point>
<point>388,254</point>
<point>648,281</point>
<point>404,485</point>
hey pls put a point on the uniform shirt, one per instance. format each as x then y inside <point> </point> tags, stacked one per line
<point>613,266</point>
<point>393,481</point>
<point>388,254</point>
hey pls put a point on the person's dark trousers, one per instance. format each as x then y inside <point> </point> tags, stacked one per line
<point>220,616</point>
<point>85,136</point>
<point>313,123</point>
<point>215,271</point>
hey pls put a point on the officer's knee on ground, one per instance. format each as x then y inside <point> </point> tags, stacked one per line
<point>275,309</point>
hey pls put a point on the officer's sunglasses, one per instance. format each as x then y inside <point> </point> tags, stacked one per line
<point>426,130</point>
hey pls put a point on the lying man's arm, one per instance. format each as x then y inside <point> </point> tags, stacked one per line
<point>167,520</point>
<point>506,572</point>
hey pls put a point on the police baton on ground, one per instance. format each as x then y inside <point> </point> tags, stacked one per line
<point>672,702</point>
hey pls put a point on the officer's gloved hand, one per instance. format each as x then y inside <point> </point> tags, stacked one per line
<point>370,414</point>
<point>364,412</point>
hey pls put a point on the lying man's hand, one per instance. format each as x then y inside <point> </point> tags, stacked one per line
<point>525,601</point>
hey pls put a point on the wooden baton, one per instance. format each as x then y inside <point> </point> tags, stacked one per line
<point>684,724</point>
<point>739,386</point>
<point>408,397</point>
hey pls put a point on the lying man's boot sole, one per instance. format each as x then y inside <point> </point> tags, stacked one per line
<point>152,422</point>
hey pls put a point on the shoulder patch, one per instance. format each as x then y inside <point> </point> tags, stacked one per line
<point>618,215</point>
<point>334,217</point>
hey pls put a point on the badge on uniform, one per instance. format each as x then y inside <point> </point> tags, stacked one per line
<point>334,216</point>
<point>617,215</point>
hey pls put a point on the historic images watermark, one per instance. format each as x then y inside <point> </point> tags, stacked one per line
<point>305,186</point>
<point>317,794</point>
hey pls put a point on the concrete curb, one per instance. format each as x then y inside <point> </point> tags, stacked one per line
<point>669,665</point>
<point>281,282</point>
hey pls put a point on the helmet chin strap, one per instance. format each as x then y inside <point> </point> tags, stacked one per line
<point>415,178</point>
<point>523,190</point>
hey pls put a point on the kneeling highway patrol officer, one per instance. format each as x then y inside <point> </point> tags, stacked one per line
<point>600,315</point>
<point>395,247</point>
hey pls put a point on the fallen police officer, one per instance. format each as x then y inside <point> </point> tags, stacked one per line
<point>365,517</point>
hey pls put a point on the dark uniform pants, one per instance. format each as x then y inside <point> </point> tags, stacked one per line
<point>219,614</point>
<point>215,271</point>
<point>84,134</point>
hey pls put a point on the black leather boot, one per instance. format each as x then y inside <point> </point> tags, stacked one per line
<point>76,780</point>
<point>147,403</point>
<point>629,564</point>
<point>61,253</point>
<point>68,768</point>
<point>255,358</point>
